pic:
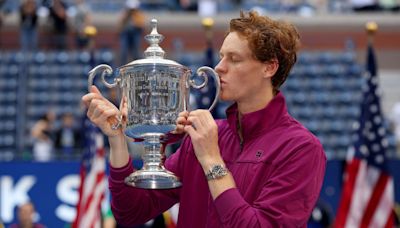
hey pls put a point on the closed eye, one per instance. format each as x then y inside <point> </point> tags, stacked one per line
<point>231,58</point>
<point>235,59</point>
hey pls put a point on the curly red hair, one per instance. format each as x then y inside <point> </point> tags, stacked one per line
<point>269,40</point>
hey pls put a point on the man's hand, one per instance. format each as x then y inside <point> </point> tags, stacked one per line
<point>203,131</point>
<point>102,112</point>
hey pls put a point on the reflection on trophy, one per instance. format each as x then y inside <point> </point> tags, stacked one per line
<point>156,90</point>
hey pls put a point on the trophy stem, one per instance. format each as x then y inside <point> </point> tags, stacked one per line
<point>153,175</point>
<point>154,154</point>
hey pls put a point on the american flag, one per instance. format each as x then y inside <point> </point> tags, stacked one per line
<point>93,179</point>
<point>368,192</point>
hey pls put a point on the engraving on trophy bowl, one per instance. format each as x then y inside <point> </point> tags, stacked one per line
<point>155,95</point>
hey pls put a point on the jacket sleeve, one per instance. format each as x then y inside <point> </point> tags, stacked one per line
<point>133,206</point>
<point>286,199</point>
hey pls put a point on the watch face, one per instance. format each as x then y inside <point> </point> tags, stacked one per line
<point>218,171</point>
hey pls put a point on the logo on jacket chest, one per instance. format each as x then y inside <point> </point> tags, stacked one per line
<point>259,154</point>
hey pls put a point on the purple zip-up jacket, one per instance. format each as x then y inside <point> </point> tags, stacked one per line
<point>278,169</point>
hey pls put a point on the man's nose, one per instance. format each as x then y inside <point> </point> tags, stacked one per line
<point>220,67</point>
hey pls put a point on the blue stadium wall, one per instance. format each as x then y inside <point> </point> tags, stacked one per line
<point>53,187</point>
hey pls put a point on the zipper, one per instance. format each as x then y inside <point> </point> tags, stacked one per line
<point>239,133</point>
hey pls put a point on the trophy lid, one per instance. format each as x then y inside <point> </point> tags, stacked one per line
<point>154,54</point>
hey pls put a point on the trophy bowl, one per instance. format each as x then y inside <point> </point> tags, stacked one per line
<point>154,90</point>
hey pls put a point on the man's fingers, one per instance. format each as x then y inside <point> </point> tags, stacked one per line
<point>190,130</point>
<point>182,121</point>
<point>110,116</point>
<point>94,89</point>
<point>194,121</point>
<point>94,94</point>
<point>87,98</point>
<point>183,114</point>
<point>103,115</point>
<point>179,129</point>
<point>93,103</point>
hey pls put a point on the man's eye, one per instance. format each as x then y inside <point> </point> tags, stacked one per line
<point>235,60</point>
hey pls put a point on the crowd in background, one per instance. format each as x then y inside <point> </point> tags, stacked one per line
<point>65,17</point>
<point>50,141</point>
<point>291,6</point>
<point>74,16</point>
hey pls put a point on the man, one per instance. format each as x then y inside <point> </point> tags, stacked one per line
<point>269,167</point>
<point>26,215</point>
<point>28,25</point>
<point>131,27</point>
<point>67,137</point>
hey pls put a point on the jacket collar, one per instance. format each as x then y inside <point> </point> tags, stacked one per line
<point>255,122</point>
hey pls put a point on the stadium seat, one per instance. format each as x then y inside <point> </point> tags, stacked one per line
<point>39,58</point>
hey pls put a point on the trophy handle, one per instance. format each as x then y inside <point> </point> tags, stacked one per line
<point>202,71</point>
<point>105,70</point>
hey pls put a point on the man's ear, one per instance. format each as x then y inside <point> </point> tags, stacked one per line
<point>271,67</point>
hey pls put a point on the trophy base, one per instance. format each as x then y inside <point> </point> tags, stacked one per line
<point>153,180</point>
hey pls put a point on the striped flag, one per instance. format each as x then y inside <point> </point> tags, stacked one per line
<point>368,192</point>
<point>93,180</point>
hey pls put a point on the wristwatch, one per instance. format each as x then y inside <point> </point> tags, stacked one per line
<point>217,171</point>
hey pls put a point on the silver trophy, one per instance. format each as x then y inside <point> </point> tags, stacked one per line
<point>155,90</point>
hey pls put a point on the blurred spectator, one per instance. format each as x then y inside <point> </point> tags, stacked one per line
<point>188,5</point>
<point>375,5</point>
<point>58,17</point>
<point>26,217</point>
<point>397,215</point>
<point>28,25</point>
<point>131,27</point>
<point>365,5</point>
<point>81,20</point>
<point>109,220</point>
<point>1,15</point>
<point>237,2</point>
<point>207,8</point>
<point>1,11</point>
<point>67,137</point>
<point>42,134</point>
